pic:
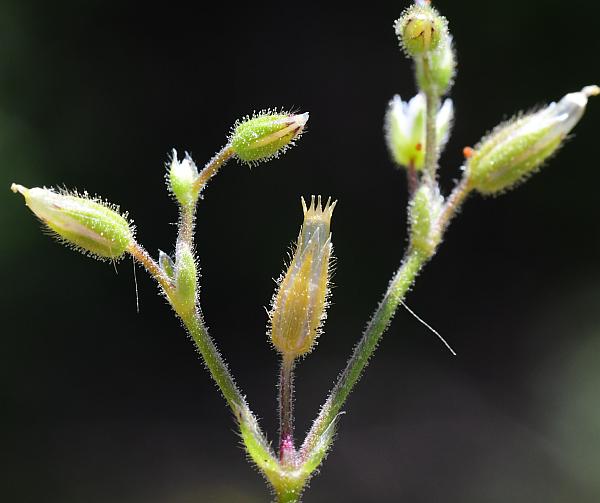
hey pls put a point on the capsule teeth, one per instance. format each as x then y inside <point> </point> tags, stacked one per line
<point>316,208</point>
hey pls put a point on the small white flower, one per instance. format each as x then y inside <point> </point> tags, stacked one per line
<point>405,129</point>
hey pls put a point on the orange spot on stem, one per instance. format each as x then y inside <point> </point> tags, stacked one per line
<point>468,152</point>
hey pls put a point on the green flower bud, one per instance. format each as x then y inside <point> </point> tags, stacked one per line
<point>298,307</point>
<point>182,175</point>
<point>516,149</point>
<point>441,70</point>
<point>266,135</point>
<point>405,129</point>
<point>420,30</point>
<point>424,210</point>
<point>88,225</point>
<point>186,279</point>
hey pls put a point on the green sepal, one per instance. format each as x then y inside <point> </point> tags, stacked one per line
<point>166,264</point>
<point>436,75</point>
<point>424,209</point>
<point>186,279</point>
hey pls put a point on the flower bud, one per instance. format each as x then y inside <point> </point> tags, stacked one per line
<point>266,135</point>
<point>405,129</point>
<point>516,149</point>
<point>182,175</point>
<point>186,279</point>
<point>298,307</point>
<point>89,225</point>
<point>420,29</point>
<point>424,210</point>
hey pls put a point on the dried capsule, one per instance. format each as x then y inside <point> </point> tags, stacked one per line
<point>298,306</point>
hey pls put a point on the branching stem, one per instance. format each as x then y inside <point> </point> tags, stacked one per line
<point>193,322</point>
<point>138,252</point>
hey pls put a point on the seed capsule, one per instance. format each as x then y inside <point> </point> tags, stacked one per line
<point>266,136</point>
<point>89,225</point>
<point>298,307</point>
<point>420,30</point>
<point>516,149</point>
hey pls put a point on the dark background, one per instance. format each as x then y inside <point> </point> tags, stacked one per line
<point>101,404</point>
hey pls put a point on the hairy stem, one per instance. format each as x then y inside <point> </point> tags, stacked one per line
<point>453,203</point>
<point>287,451</point>
<point>193,322</point>
<point>215,364</point>
<point>432,100</point>
<point>212,167</point>
<point>412,178</point>
<point>378,324</point>
<point>187,216</point>
<point>142,256</point>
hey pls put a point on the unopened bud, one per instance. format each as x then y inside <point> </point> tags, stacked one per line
<point>424,210</point>
<point>298,307</point>
<point>405,129</point>
<point>516,149</point>
<point>420,29</point>
<point>89,225</point>
<point>182,175</point>
<point>266,135</point>
<point>186,279</point>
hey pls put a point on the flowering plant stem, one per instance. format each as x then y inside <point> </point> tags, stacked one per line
<point>287,451</point>
<point>432,100</point>
<point>197,330</point>
<point>396,291</point>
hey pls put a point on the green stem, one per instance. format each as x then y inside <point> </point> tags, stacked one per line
<point>287,450</point>
<point>193,322</point>
<point>288,497</point>
<point>138,252</point>
<point>453,203</point>
<point>432,100</point>
<point>378,324</point>
<point>215,364</point>
<point>187,216</point>
<point>212,167</point>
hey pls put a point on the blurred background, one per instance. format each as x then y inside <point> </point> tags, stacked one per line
<point>102,404</point>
